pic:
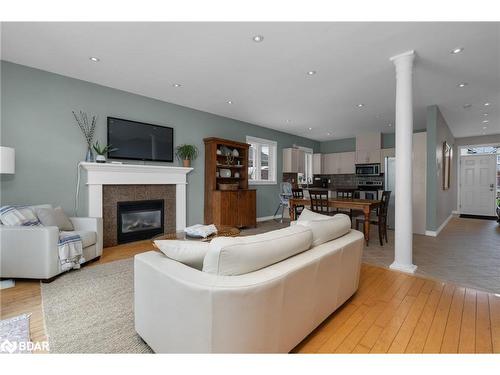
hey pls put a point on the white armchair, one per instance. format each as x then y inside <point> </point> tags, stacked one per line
<point>32,252</point>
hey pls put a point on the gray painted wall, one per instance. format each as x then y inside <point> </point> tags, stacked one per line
<point>37,121</point>
<point>440,203</point>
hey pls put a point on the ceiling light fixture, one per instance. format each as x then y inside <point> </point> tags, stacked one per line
<point>486,104</point>
<point>462,84</point>
<point>390,125</point>
<point>457,50</point>
<point>94,59</point>
<point>328,133</point>
<point>311,72</point>
<point>229,102</point>
<point>310,128</point>
<point>485,127</point>
<point>177,85</point>
<point>467,106</point>
<point>485,121</point>
<point>258,38</point>
<point>485,114</point>
<point>360,105</point>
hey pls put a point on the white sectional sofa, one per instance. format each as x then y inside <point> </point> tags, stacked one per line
<point>270,309</point>
<point>32,253</point>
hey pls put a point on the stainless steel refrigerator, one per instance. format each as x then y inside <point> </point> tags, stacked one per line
<point>390,184</point>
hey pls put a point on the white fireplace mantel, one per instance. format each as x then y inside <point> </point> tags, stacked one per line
<point>99,174</point>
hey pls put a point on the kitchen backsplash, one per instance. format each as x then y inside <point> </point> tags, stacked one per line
<point>346,180</point>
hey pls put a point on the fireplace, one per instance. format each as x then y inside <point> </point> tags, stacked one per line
<point>139,220</point>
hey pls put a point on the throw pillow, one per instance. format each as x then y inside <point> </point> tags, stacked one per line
<point>54,217</point>
<point>309,215</point>
<point>328,229</point>
<point>18,215</point>
<point>190,253</point>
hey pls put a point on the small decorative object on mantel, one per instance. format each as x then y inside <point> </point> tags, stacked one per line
<point>88,130</point>
<point>219,152</point>
<point>236,174</point>
<point>101,151</point>
<point>236,153</point>
<point>186,153</point>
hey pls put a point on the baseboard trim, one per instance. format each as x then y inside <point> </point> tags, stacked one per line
<point>435,233</point>
<point>266,218</point>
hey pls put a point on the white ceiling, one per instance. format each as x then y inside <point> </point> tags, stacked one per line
<point>268,82</point>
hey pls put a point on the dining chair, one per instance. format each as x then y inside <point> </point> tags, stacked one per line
<point>345,194</point>
<point>380,217</point>
<point>319,202</point>
<point>299,194</point>
<point>284,196</point>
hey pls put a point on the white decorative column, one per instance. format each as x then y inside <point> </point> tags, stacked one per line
<point>403,246</point>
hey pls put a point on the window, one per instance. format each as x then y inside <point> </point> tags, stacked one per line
<point>261,161</point>
<point>307,178</point>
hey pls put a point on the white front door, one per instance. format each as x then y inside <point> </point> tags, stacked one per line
<point>477,185</point>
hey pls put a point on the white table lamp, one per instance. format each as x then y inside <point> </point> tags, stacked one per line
<point>7,160</point>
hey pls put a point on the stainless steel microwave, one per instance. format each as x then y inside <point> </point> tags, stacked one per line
<point>368,169</point>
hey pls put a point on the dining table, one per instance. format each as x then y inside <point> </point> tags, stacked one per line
<point>364,205</point>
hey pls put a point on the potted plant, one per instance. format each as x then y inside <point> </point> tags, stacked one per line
<point>186,153</point>
<point>101,151</point>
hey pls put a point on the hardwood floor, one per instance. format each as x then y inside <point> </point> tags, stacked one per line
<point>390,313</point>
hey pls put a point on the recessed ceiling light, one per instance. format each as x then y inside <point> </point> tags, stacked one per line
<point>94,59</point>
<point>311,72</point>
<point>288,121</point>
<point>485,114</point>
<point>457,50</point>
<point>467,106</point>
<point>177,85</point>
<point>462,84</point>
<point>310,128</point>
<point>485,127</point>
<point>390,125</point>
<point>328,133</point>
<point>485,121</point>
<point>486,104</point>
<point>360,105</point>
<point>258,38</point>
<point>229,102</point>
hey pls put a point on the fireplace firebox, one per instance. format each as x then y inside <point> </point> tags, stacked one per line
<point>139,220</point>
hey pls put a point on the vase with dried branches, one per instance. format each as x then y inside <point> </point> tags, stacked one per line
<point>88,129</point>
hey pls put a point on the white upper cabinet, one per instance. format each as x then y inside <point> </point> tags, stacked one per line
<point>293,160</point>
<point>368,148</point>
<point>317,163</point>
<point>339,163</point>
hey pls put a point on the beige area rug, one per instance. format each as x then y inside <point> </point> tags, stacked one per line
<point>91,310</point>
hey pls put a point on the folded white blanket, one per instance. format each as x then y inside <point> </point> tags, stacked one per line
<point>199,230</point>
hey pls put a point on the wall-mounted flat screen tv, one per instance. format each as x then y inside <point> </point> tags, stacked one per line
<point>140,141</point>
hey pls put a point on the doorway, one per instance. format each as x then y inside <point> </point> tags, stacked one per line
<point>478,181</point>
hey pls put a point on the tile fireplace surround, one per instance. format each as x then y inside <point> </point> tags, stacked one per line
<point>108,182</point>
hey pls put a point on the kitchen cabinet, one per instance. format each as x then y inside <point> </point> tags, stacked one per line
<point>339,163</point>
<point>293,160</point>
<point>368,148</point>
<point>386,153</point>
<point>368,156</point>
<point>317,163</point>
<point>368,141</point>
